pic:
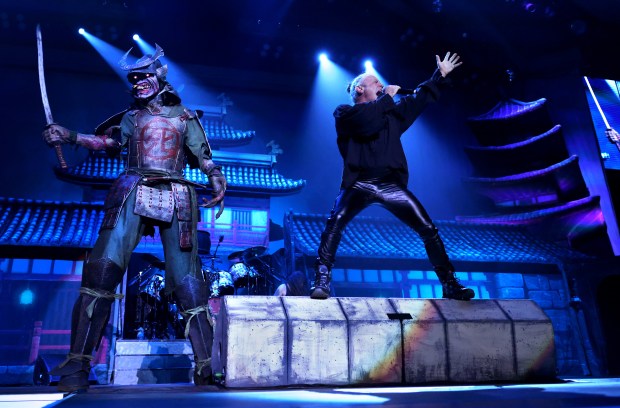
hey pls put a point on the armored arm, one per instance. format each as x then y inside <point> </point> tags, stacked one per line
<point>56,134</point>
<point>199,146</point>
<point>218,184</point>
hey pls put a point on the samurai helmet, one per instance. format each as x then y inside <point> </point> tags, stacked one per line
<point>148,64</point>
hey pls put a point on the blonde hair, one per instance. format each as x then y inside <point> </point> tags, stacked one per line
<point>356,81</point>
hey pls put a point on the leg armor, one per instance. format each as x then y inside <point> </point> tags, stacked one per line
<point>193,296</point>
<point>89,319</point>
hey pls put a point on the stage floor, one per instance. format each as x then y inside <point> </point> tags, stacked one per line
<point>577,393</point>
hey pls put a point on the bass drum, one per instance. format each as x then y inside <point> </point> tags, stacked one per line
<point>243,275</point>
<point>221,284</point>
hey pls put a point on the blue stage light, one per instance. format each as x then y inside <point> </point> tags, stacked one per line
<point>368,65</point>
<point>81,31</point>
<point>26,297</point>
<point>323,57</point>
<point>136,37</point>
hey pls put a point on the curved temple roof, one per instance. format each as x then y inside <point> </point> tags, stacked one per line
<point>245,172</point>
<point>221,134</point>
<point>509,121</point>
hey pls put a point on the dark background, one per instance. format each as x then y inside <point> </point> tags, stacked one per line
<point>262,54</point>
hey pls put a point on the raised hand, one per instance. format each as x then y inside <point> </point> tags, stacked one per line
<point>448,64</point>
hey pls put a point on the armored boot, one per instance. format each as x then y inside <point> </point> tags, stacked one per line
<point>452,287</point>
<point>89,319</point>
<point>322,280</point>
<point>193,296</point>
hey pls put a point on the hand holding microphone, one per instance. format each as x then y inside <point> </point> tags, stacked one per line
<point>391,90</point>
<point>399,90</point>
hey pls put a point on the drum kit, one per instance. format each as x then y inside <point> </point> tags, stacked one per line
<point>250,273</point>
<point>157,314</point>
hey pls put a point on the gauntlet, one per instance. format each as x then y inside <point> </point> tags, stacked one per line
<point>218,185</point>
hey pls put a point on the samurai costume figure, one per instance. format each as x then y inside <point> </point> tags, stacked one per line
<point>160,136</point>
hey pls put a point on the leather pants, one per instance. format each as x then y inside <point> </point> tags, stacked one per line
<point>388,192</point>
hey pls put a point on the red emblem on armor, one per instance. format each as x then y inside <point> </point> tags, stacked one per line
<point>160,139</point>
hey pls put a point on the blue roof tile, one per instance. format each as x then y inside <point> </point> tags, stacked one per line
<point>370,237</point>
<point>49,223</point>
<point>221,134</point>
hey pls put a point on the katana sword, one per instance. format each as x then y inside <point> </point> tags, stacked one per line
<point>600,110</point>
<point>46,103</point>
<point>598,106</point>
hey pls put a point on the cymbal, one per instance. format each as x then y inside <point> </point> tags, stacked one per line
<point>259,260</point>
<point>253,252</point>
<point>154,261</point>
<point>143,275</point>
<point>235,255</point>
<point>208,256</point>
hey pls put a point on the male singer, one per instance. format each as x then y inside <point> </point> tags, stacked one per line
<point>375,171</point>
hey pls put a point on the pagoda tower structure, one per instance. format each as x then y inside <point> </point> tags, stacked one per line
<point>523,167</point>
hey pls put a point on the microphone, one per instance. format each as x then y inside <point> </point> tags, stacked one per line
<point>219,242</point>
<point>405,91</point>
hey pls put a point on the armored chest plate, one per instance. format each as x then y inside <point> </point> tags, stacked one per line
<point>157,143</point>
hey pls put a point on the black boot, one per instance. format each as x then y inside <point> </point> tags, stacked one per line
<point>193,296</point>
<point>73,372</point>
<point>90,316</point>
<point>452,288</point>
<point>322,280</point>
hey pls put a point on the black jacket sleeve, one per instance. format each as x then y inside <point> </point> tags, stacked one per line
<point>411,106</point>
<point>363,120</point>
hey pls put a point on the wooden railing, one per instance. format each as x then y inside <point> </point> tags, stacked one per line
<point>235,234</point>
<point>37,347</point>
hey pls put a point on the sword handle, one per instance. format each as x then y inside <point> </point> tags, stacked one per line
<point>59,155</point>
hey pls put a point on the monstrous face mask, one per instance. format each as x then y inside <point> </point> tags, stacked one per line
<point>144,85</point>
<point>146,75</point>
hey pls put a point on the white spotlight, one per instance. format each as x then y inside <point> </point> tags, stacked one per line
<point>323,57</point>
<point>368,65</point>
<point>136,37</point>
<point>81,31</point>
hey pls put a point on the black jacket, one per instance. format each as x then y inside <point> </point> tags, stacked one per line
<point>369,133</point>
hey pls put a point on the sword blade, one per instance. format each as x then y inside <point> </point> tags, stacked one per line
<point>46,103</point>
<point>598,106</point>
